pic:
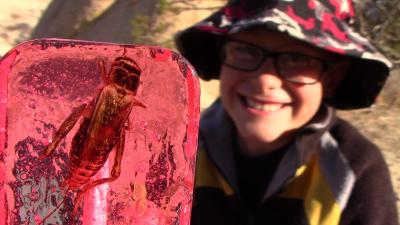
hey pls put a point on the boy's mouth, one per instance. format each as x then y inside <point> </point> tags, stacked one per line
<point>265,106</point>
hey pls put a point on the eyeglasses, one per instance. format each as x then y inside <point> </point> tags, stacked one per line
<point>293,67</point>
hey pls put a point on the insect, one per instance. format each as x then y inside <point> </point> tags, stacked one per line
<point>102,129</point>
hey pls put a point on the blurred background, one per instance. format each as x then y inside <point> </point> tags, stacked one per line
<point>154,22</point>
<point>150,22</point>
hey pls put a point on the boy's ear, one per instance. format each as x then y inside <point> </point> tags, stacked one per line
<point>334,76</point>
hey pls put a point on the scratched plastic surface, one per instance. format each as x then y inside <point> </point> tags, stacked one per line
<point>41,82</point>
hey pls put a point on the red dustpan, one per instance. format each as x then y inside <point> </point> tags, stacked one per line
<point>96,133</point>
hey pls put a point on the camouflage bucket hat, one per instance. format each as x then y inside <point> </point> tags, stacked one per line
<point>321,23</point>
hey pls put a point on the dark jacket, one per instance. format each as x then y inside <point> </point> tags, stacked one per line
<point>329,175</point>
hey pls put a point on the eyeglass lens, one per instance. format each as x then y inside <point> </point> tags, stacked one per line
<point>294,67</point>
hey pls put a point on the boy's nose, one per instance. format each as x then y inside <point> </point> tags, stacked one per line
<point>267,76</point>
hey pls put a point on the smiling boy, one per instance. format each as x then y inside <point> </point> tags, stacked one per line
<point>271,150</point>
<point>271,98</point>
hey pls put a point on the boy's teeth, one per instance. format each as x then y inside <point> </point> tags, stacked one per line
<point>263,107</point>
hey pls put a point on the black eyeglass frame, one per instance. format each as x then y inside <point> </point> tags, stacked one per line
<point>274,55</point>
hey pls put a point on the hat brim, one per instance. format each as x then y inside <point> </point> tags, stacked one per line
<point>201,45</point>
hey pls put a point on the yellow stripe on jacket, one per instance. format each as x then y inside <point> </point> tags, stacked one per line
<point>207,174</point>
<point>310,185</point>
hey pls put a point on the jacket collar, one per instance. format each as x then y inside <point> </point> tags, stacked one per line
<point>217,133</point>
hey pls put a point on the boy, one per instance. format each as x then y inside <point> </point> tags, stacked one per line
<point>271,150</point>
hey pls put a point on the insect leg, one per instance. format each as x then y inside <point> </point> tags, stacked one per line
<point>65,127</point>
<point>103,71</point>
<point>115,172</point>
<point>139,102</point>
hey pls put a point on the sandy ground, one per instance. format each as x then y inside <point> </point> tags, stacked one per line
<point>381,123</point>
<point>17,19</point>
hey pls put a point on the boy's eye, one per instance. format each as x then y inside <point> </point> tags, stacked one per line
<point>246,51</point>
<point>242,51</point>
<point>297,60</point>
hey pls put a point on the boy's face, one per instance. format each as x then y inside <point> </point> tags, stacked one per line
<point>266,109</point>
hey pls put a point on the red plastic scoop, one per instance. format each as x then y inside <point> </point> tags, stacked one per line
<point>96,133</point>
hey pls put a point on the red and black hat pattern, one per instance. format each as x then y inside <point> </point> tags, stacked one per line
<point>321,23</point>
